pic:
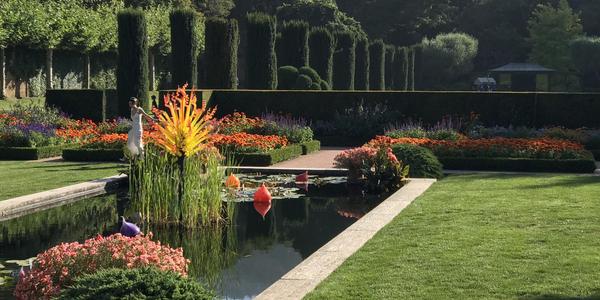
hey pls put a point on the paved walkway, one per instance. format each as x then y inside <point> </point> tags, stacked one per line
<point>319,159</point>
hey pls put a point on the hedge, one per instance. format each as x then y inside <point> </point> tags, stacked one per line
<point>344,60</point>
<point>79,154</point>
<point>184,45</point>
<point>596,153</point>
<point>390,61</point>
<point>531,109</point>
<point>361,75</point>
<point>132,66</point>
<point>519,164</point>
<point>321,47</point>
<point>30,153</point>
<point>377,67</point>
<point>79,104</point>
<point>400,69</point>
<point>261,65</point>
<point>293,47</point>
<point>268,158</point>
<point>343,141</point>
<point>310,147</point>
<point>221,49</point>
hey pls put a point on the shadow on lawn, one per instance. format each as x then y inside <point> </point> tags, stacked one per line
<point>595,296</point>
<point>573,181</point>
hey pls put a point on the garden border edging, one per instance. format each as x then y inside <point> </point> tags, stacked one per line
<point>305,277</point>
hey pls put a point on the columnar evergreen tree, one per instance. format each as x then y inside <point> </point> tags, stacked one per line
<point>293,50</point>
<point>132,67</point>
<point>344,60</point>
<point>390,60</point>
<point>222,41</point>
<point>400,71</point>
<point>261,65</point>
<point>184,50</point>
<point>417,67</point>
<point>322,45</point>
<point>410,79</point>
<point>377,67</point>
<point>361,77</point>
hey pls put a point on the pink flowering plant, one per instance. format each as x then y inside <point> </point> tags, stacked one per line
<point>378,166</point>
<point>58,266</point>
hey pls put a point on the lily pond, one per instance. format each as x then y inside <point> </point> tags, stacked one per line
<point>238,260</point>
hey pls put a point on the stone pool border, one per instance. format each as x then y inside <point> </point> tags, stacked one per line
<point>17,207</point>
<point>301,280</point>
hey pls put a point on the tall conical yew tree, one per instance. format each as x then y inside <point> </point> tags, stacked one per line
<point>322,45</point>
<point>293,50</point>
<point>377,68</point>
<point>184,49</point>
<point>222,41</point>
<point>400,72</point>
<point>361,77</point>
<point>261,65</point>
<point>344,60</point>
<point>390,60</point>
<point>132,67</point>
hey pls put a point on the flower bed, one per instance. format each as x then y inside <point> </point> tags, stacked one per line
<point>505,154</point>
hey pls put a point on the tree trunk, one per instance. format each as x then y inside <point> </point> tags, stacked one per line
<point>87,72</point>
<point>2,73</point>
<point>152,71</point>
<point>49,54</point>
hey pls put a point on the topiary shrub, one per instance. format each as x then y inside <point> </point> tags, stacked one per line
<point>400,70</point>
<point>303,82</point>
<point>143,283</point>
<point>422,162</point>
<point>314,76</point>
<point>293,47</point>
<point>321,48</point>
<point>324,85</point>
<point>361,76</point>
<point>184,45</point>
<point>286,77</point>
<point>390,61</point>
<point>261,69</point>
<point>221,53</point>
<point>377,67</point>
<point>344,60</point>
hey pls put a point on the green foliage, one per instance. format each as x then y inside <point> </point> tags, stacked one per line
<point>30,153</point>
<point>222,41</point>
<point>319,13</point>
<point>303,82</point>
<point>344,60</point>
<point>184,48</point>
<point>79,104</point>
<point>132,66</point>
<point>269,158</point>
<point>310,147</point>
<point>287,76</point>
<point>308,71</point>
<point>400,69</point>
<point>446,58</point>
<point>417,67</point>
<point>324,85</point>
<point>361,76</point>
<point>551,30</point>
<point>159,29</point>
<point>321,46</point>
<point>585,55</point>
<point>390,61</point>
<point>293,50</point>
<point>138,283</point>
<point>261,57</point>
<point>421,161</point>
<point>377,66</point>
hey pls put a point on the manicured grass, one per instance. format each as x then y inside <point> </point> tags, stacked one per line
<point>8,103</point>
<point>18,178</point>
<point>483,237</point>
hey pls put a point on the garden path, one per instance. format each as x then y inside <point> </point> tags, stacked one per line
<point>320,159</point>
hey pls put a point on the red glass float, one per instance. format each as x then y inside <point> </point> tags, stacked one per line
<point>232,182</point>
<point>262,194</point>
<point>262,207</point>
<point>302,177</point>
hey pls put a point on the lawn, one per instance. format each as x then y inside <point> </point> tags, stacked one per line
<point>483,237</point>
<point>6,104</point>
<point>19,178</point>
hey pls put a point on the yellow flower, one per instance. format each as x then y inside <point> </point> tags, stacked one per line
<point>184,128</point>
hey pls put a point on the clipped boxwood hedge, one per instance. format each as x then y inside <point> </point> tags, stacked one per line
<point>310,147</point>
<point>30,153</point>
<point>519,164</point>
<point>421,161</point>
<point>268,158</point>
<point>79,154</point>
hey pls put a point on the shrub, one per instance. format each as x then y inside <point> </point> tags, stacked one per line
<point>287,76</point>
<point>344,61</point>
<point>315,86</point>
<point>446,57</point>
<point>400,69</point>
<point>293,50</point>
<point>221,53</point>
<point>377,66</point>
<point>308,71</point>
<point>321,46</point>
<point>390,61</point>
<point>132,66</point>
<point>574,135</point>
<point>56,267</point>
<point>184,48</point>
<point>361,76</point>
<point>421,161</point>
<point>303,82</point>
<point>261,58</point>
<point>324,85</point>
<point>142,283</point>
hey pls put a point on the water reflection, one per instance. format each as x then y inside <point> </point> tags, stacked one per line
<point>240,259</point>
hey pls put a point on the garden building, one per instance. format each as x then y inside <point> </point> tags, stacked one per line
<point>521,77</point>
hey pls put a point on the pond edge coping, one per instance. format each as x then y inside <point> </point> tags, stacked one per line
<point>23,205</point>
<point>305,277</point>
